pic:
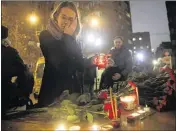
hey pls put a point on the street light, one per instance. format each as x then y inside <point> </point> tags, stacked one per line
<point>94,22</point>
<point>140,38</point>
<point>33,19</point>
<point>98,41</point>
<point>134,39</point>
<point>91,38</point>
<point>155,62</point>
<point>140,56</point>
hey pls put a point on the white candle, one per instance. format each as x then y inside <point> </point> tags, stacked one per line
<point>146,108</point>
<point>141,111</point>
<point>60,128</point>
<point>135,114</point>
<point>128,102</point>
<point>95,127</point>
<point>127,99</point>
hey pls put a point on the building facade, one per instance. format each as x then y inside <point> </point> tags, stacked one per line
<point>139,41</point>
<point>171,14</point>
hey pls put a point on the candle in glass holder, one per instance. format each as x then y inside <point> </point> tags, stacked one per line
<point>132,117</point>
<point>128,102</point>
<point>142,113</point>
<point>147,109</point>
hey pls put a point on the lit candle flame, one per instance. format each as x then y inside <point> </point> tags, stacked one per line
<point>60,128</point>
<point>95,127</point>
<point>74,128</point>
<point>141,111</point>
<point>135,114</point>
<point>127,99</point>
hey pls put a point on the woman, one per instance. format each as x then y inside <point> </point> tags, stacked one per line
<point>63,57</point>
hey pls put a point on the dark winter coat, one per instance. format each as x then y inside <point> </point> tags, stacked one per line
<point>89,72</point>
<point>122,59</point>
<point>12,66</point>
<point>63,58</point>
<point>106,77</point>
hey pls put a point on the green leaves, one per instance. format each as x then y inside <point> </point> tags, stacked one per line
<point>66,103</point>
<point>73,119</point>
<point>71,110</point>
<point>89,117</point>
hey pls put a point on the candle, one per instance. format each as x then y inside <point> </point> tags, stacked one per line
<point>147,109</point>
<point>95,127</point>
<point>110,114</point>
<point>116,123</point>
<point>135,114</point>
<point>132,117</point>
<point>74,128</point>
<point>128,102</point>
<point>142,113</point>
<point>61,128</point>
<point>115,102</point>
<point>112,103</point>
<point>137,94</point>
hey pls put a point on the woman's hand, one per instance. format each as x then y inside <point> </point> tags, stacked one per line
<point>70,29</point>
<point>116,76</point>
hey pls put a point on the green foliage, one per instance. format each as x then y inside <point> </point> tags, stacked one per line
<point>89,117</point>
<point>73,119</point>
<point>65,103</point>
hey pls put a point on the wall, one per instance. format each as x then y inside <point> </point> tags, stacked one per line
<point>150,16</point>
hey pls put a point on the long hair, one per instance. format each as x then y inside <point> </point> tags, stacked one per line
<point>72,6</point>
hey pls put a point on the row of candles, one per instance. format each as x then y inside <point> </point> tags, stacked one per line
<point>62,127</point>
<point>139,114</point>
<point>114,113</point>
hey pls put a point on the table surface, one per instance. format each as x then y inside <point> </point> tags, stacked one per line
<point>165,121</point>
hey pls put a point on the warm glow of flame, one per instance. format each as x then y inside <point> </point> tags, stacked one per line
<point>74,128</point>
<point>135,114</point>
<point>141,111</point>
<point>95,127</point>
<point>127,99</point>
<point>61,127</point>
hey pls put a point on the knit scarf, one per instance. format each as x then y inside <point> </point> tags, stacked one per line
<point>54,29</point>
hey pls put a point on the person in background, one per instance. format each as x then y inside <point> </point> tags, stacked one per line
<point>122,58</point>
<point>109,75</point>
<point>17,82</point>
<point>63,57</point>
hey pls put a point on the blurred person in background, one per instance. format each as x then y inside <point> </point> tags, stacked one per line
<point>122,58</point>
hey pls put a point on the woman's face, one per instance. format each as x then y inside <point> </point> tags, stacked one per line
<point>118,43</point>
<point>65,18</point>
